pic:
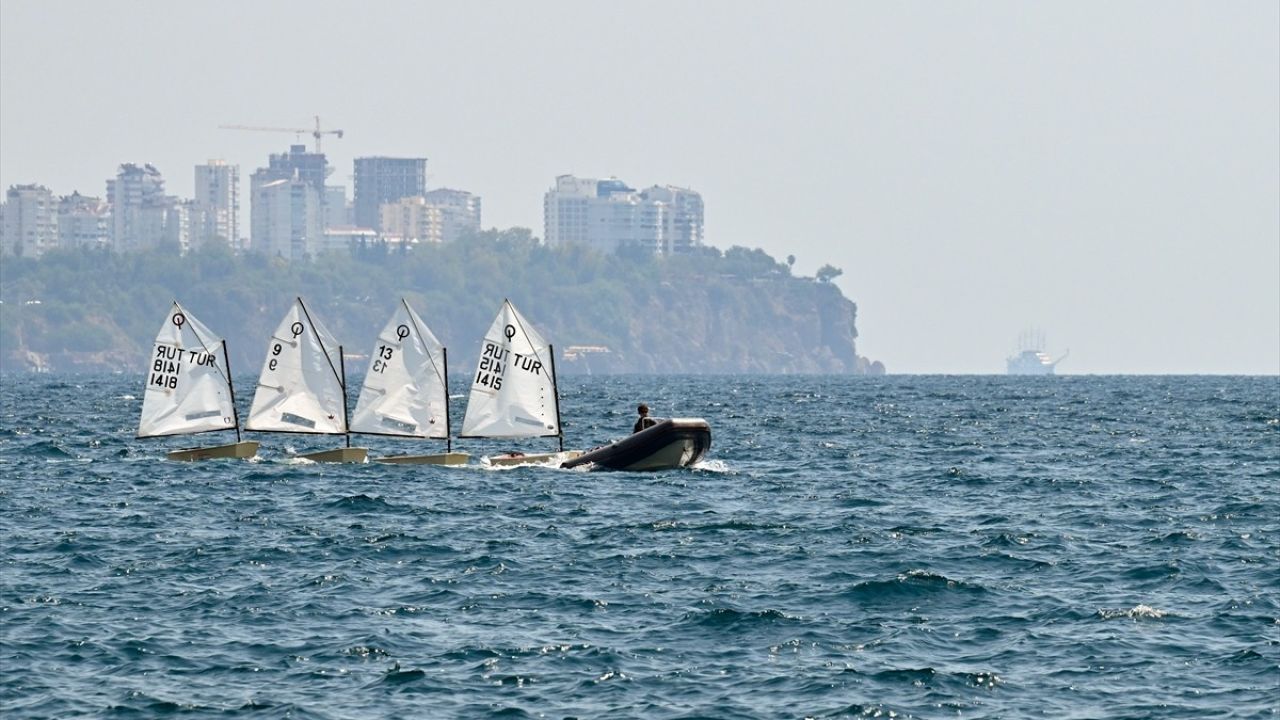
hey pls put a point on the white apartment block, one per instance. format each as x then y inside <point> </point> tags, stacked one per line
<point>438,216</point>
<point>83,222</point>
<point>30,224</point>
<point>608,215</point>
<point>286,218</point>
<point>682,218</point>
<point>412,219</point>
<point>337,211</point>
<point>164,221</point>
<point>217,203</point>
<point>133,189</point>
<point>459,212</point>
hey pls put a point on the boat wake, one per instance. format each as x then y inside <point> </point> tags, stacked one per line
<point>712,466</point>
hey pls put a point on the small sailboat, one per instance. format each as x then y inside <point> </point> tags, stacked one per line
<point>406,389</point>
<point>189,388</point>
<point>303,386</point>
<point>514,393</point>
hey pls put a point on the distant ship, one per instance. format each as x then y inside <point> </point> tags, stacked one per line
<point>1031,358</point>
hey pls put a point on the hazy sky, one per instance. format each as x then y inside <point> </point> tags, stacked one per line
<point>1106,172</point>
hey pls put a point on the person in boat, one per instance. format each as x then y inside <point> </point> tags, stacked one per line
<point>644,421</point>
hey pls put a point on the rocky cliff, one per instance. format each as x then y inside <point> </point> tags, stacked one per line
<point>737,312</point>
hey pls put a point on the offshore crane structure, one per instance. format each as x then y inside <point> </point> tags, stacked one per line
<point>315,132</point>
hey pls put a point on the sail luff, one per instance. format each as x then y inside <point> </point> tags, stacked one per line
<point>320,339</point>
<point>448,432</point>
<point>555,391</point>
<point>213,341</point>
<point>231,389</point>
<point>423,334</point>
<point>342,379</point>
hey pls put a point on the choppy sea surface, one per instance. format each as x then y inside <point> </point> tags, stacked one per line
<point>974,547</point>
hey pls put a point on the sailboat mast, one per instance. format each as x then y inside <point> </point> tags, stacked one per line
<point>231,388</point>
<point>555,387</point>
<point>448,433</point>
<point>346,420</point>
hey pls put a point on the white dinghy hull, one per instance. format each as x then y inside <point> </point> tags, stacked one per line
<point>446,458</point>
<point>238,451</point>
<point>340,455</point>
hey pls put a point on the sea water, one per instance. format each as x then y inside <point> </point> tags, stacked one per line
<point>974,547</point>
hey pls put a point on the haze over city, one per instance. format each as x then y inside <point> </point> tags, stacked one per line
<point>1106,173</point>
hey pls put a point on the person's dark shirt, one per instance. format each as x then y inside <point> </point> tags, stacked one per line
<point>644,421</point>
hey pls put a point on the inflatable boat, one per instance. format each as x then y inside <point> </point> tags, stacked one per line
<point>670,443</point>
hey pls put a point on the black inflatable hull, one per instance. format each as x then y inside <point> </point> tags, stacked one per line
<point>672,443</point>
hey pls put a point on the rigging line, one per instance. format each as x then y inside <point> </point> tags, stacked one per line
<point>319,339</point>
<point>525,333</point>
<point>231,390</point>
<point>448,432</point>
<point>225,375</point>
<point>421,338</point>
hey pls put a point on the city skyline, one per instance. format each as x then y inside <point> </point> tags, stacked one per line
<point>1106,174</point>
<point>291,210</point>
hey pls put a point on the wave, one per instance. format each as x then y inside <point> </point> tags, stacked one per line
<point>397,676</point>
<point>257,476</point>
<point>49,451</point>
<point>711,466</point>
<point>362,503</point>
<point>730,618</point>
<point>913,584</point>
<point>1137,612</point>
<point>928,676</point>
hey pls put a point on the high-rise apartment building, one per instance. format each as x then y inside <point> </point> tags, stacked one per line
<point>287,204</point>
<point>439,216</point>
<point>138,204</point>
<point>310,167</point>
<point>83,222</point>
<point>286,217</point>
<point>380,180</point>
<point>412,220</point>
<point>337,211</point>
<point>217,203</point>
<point>459,212</point>
<point>608,215</point>
<point>30,225</point>
<point>682,218</point>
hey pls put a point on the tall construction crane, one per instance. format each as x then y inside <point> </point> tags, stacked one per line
<point>315,133</point>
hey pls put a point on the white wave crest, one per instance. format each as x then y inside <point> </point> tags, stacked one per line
<point>1138,612</point>
<point>715,466</point>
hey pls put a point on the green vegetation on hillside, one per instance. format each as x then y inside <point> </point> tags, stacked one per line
<point>736,311</point>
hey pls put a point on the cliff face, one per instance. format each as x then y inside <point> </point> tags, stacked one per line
<point>603,316</point>
<point>777,326</point>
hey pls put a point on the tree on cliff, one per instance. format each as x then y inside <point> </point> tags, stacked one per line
<point>827,273</point>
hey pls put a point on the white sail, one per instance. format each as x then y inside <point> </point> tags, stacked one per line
<point>513,393</point>
<point>300,388</point>
<point>188,388</point>
<point>404,388</point>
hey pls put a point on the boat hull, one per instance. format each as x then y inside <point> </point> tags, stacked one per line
<point>672,443</point>
<point>533,458</point>
<point>239,451</point>
<point>340,455</point>
<point>448,458</point>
